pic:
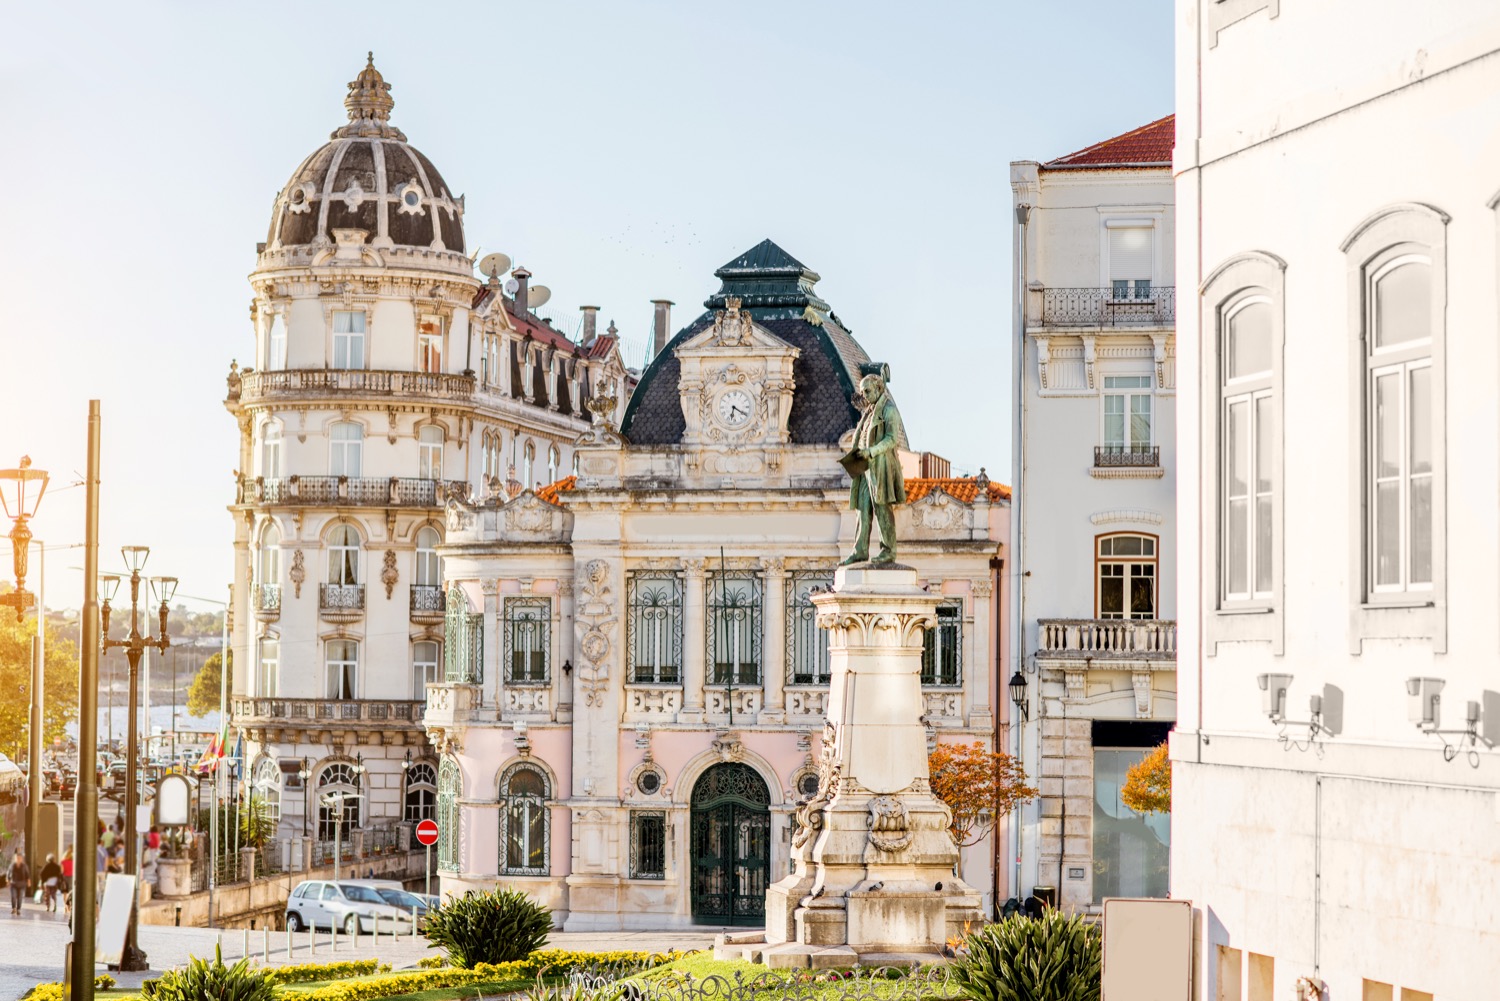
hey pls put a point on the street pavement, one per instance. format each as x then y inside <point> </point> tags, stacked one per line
<point>31,947</point>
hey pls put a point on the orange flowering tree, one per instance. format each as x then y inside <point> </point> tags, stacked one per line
<point>978,785</point>
<point>1148,784</point>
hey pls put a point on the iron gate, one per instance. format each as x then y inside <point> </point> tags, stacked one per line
<point>731,846</point>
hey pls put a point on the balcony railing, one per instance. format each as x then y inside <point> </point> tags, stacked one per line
<point>1127,455</point>
<point>268,602</point>
<point>392,491</point>
<point>428,603</point>
<point>1109,307</point>
<point>290,383</point>
<point>341,602</point>
<point>316,712</point>
<point>1107,639</point>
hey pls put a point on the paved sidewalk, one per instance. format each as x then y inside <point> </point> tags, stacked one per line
<point>31,947</point>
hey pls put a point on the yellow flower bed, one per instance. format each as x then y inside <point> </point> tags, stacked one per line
<point>54,992</point>
<point>545,961</point>
<point>303,972</point>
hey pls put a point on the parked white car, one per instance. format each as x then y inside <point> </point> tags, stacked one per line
<point>352,906</point>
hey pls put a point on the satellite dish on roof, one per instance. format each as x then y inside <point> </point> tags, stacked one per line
<point>512,286</point>
<point>537,295</point>
<point>494,265</point>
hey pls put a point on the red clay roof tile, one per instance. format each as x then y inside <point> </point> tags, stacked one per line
<point>1148,146</point>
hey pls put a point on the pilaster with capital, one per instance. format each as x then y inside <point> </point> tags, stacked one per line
<point>565,591</point>
<point>773,645</point>
<point>982,607</point>
<point>694,652</point>
<point>491,590</point>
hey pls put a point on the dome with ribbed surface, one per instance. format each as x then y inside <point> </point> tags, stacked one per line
<point>368,178</point>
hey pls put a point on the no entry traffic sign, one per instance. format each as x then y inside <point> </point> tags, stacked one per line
<point>427,832</point>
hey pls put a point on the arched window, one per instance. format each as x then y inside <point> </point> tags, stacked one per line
<point>268,570</point>
<point>270,450</point>
<point>430,453</point>
<point>265,788</point>
<point>339,801</point>
<point>575,463</point>
<point>524,821</point>
<point>529,479</point>
<point>1249,427</point>
<point>343,555</point>
<point>421,792</point>
<point>429,564</point>
<point>345,449</point>
<point>553,461</point>
<point>1125,576</point>
<point>447,815</point>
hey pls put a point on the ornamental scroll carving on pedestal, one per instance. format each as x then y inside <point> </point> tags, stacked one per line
<point>595,622</point>
<point>893,629</point>
<point>812,815</point>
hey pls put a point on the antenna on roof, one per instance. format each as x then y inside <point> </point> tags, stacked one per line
<point>494,265</point>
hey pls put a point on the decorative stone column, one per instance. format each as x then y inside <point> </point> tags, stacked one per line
<point>875,859</point>
<point>694,652</point>
<point>773,642</point>
<point>979,708</point>
<point>490,631</point>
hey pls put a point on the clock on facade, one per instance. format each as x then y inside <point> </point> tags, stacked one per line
<point>733,409</point>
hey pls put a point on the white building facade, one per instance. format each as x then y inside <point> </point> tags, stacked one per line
<point>384,379</point>
<point>1094,526</point>
<point>1336,816</point>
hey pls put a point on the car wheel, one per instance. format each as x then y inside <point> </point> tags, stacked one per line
<point>351,925</point>
<point>294,921</point>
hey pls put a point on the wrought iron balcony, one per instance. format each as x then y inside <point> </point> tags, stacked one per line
<point>341,602</point>
<point>323,712</point>
<point>315,382</point>
<point>345,491</point>
<point>1106,639</point>
<point>1127,455</point>
<point>428,603</point>
<point>268,602</point>
<point>1155,306</point>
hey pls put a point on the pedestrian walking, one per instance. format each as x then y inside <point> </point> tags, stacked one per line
<point>19,878</point>
<point>50,876</point>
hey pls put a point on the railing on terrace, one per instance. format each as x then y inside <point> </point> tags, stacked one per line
<point>268,600</point>
<point>1107,639</point>
<point>322,853</point>
<point>316,712</point>
<point>341,597</point>
<point>428,599</point>
<point>1127,455</point>
<point>360,382</point>
<point>367,491</point>
<point>382,840</point>
<point>1109,307</point>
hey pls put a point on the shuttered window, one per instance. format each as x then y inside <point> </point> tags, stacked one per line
<point>1131,259</point>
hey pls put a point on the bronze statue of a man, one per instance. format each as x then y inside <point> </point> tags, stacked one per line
<point>876,469</point>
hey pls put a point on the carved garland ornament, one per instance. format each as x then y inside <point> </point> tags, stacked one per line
<point>595,621</point>
<point>890,824</point>
<point>388,573</point>
<point>298,572</point>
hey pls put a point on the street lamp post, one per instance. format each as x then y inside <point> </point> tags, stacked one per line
<point>1018,698</point>
<point>135,644</point>
<point>20,499</point>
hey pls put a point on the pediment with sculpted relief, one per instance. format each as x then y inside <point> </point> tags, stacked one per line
<point>528,518</point>
<point>939,515</point>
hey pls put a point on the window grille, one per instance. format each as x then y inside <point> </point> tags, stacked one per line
<point>463,647</point>
<point>267,787</point>
<point>806,644</point>
<point>421,792</point>
<point>343,812</point>
<point>528,632</point>
<point>734,627</point>
<point>447,818</point>
<point>655,627</point>
<point>648,844</point>
<point>524,822</point>
<point>942,647</point>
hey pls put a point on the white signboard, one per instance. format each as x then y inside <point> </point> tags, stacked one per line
<point>172,798</point>
<point>114,918</point>
<point>1148,950</point>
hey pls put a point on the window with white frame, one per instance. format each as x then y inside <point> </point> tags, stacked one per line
<point>524,821</point>
<point>430,343</point>
<point>343,555</point>
<point>270,450</point>
<point>654,626</point>
<point>424,668</point>
<point>429,569</point>
<point>554,459</point>
<point>1127,414</point>
<point>528,629</point>
<point>349,338</point>
<point>339,800</point>
<point>346,441</point>
<point>942,647</point>
<point>1126,576</point>
<point>529,479</point>
<point>1131,259</point>
<point>268,569</point>
<point>268,671</point>
<point>421,792</point>
<point>342,669</point>
<point>276,344</point>
<point>266,787</point>
<point>430,453</point>
<point>1248,426</point>
<point>1398,422</point>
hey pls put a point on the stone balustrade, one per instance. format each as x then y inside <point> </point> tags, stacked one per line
<point>1107,639</point>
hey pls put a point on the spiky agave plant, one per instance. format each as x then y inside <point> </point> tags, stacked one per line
<point>500,926</point>
<point>1052,958</point>
<point>201,980</point>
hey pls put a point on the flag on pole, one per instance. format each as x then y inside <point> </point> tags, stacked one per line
<point>215,752</point>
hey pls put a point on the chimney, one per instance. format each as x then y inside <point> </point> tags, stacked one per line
<point>523,278</point>
<point>659,326</point>
<point>590,315</point>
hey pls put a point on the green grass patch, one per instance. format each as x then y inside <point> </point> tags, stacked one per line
<point>821,984</point>
<point>489,990</point>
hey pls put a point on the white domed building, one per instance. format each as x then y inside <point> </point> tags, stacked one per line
<point>385,378</point>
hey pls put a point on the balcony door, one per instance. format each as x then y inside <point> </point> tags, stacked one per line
<point>1125,576</point>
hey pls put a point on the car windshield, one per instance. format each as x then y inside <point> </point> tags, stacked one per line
<point>399,898</point>
<point>363,894</point>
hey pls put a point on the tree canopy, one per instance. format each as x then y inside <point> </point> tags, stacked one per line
<point>203,694</point>
<point>978,785</point>
<point>59,682</point>
<point>1148,784</point>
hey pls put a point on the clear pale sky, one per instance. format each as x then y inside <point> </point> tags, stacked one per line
<point>620,150</point>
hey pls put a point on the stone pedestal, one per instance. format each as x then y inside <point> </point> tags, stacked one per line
<point>875,862</point>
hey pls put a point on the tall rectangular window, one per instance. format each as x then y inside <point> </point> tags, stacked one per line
<point>1127,413</point>
<point>346,444</point>
<point>942,647</point>
<point>655,626</point>
<point>270,450</point>
<point>270,658</point>
<point>1249,429</point>
<point>1126,568</point>
<point>734,627</point>
<point>276,344</point>
<point>348,338</point>
<point>430,343</point>
<point>806,645</point>
<point>1131,261</point>
<point>528,630</point>
<point>430,453</point>
<point>648,844</point>
<point>424,668</point>
<point>342,668</point>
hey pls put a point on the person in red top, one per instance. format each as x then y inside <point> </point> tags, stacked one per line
<point>153,839</point>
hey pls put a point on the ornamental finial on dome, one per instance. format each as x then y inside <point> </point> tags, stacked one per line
<point>369,103</point>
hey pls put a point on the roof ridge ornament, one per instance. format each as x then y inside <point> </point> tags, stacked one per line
<point>369,104</point>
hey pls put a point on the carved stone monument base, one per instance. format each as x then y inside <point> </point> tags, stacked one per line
<point>874,860</point>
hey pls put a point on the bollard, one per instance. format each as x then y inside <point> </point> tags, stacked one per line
<point>245,952</point>
<point>288,943</point>
<point>413,921</point>
<point>333,932</point>
<point>375,942</point>
<point>312,940</point>
<point>265,945</point>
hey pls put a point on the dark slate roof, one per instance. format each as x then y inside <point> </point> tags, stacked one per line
<point>777,290</point>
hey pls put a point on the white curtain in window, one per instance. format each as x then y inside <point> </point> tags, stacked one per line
<point>343,555</point>
<point>348,339</point>
<point>345,450</point>
<point>429,564</point>
<point>343,669</point>
<point>430,453</point>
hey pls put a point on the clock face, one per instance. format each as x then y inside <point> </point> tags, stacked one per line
<point>734,408</point>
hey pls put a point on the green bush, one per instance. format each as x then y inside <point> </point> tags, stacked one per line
<point>201,980</point>
<point>500,926</point>
<point>1054,958</point>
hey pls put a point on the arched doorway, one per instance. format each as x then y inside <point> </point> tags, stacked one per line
<point>731,846</point>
